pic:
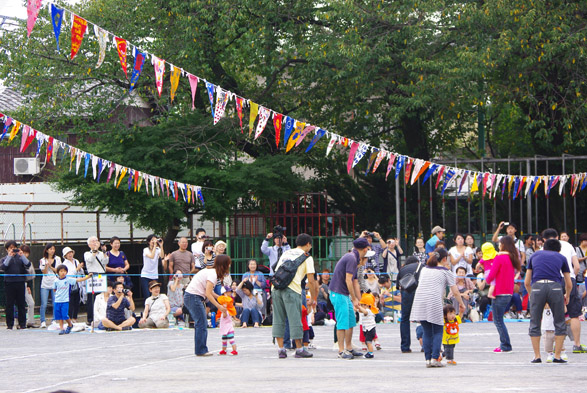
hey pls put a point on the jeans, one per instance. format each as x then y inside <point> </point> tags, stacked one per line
<point>145,286</point>
<point>404,326</point>
<point>15,297</point>
<point>44,300</point>
<point>500,305</point>
<point>250,313</point>
<point>432,339</point>
<point>515,301</point>
<point>195,305</point>
<point>74,304</point>
<point>449,351</point>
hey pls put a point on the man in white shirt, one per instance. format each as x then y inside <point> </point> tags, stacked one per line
<point>511,230</point>
<point>197,246</point>
<point>95,262</point>
<point>574,305</point>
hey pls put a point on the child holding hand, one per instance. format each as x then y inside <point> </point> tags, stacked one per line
<point>226,325</point>
<point>450,334</point>
<point>367,312</point>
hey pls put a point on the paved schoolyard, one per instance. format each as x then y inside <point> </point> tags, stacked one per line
<point>163,361</point>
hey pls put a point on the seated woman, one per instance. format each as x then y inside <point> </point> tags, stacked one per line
<point>371,281</point>
<point>156,308</point>
<point>465,287</point>
<point>257,278</point>
<point>251,303</point>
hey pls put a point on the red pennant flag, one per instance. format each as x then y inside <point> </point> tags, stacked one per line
<point>78,29</point>
<point>49,148</point>
<point>442,168</point>
<point>136,179</point>
<point>277,121</point>
<point>485,177</point>
<point>239,111</point>
<point>32,135</point>
<point>349,163</point>
<point>408,169</point>
<point>121,48</point>
<point>33,8</point>
<point>175,189</point>
<point>24,137</point>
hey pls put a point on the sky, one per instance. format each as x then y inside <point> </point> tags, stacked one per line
<point>14,8</point>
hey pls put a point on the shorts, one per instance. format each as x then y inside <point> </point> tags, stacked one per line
<point>574,306</point>
<point>60,311</point>
<point>344,311</point>
<point>369,335</point>
<point>287,305</point>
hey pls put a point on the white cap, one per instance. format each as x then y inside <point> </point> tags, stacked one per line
<point>370,254</point>
<point>67,250</point>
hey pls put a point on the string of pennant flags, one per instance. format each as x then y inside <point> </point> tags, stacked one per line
<point>115,172</point>
<point>295,131</point>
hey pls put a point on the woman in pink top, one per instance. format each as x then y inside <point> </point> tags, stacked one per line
<point>503,270</point>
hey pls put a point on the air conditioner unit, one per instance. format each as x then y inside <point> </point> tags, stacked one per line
<point>27,166</point>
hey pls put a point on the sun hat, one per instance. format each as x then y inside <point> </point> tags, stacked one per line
<point>67,250</point>
<point>488,251</point>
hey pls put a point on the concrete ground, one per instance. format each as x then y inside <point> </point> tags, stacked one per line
<point>37,360</point>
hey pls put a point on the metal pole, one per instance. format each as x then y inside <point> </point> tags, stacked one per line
<point>431,215</point>
<point>536,195</point>
<point>419,210</point>
<point>547,200</point>
<point>575,210</point>
<point>456,203</point>
<point>469,203</point>
<point>405,217</point>
<point>529,200</point>
<point>494,206</point>
<point>397,209</point>
<point>564,201</point>
<point>509,196</point>
<point>483,218</point>
<point>521,206</point>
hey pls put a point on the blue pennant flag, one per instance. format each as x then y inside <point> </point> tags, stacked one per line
<point>87,163</point>
<point>99,168</point>
<point>172,188</point>
<point>56,19</point>
<point>200,196</point>
<point>210,88</point>
<point>584,184</point>
<point>516,185</point>
<point>289,124</point>
<point>39,144</point>
<point>399,164</point>
<point>138,68</point>
<point>131,174</point>
<point>447,178</point>
<point>532,186</point>
<point>430,171</point>
<point>319,134</point>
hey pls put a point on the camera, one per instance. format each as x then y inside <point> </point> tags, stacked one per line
<point>125,291</point>
<point>370,234</point>
<point>278,231</point>
<point>16,250</point>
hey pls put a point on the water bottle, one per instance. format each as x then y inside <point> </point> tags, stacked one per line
<point>213,319</point>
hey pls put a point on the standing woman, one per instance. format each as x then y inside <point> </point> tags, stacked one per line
<point>117,262</point>
<point>74,268</point>
<point>206,259</point>
<point>48,266</point>
<point>391,257</point>
<point>150,270</point>
<point>200,289</point>
<point>420,250</point>
<point>428,303</point>
<point>582,257</point>
<point>461,255</point>
<point>503,270</point>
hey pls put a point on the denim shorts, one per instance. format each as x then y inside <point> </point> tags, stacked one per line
<point>344,311</point>
<point>60,312</point>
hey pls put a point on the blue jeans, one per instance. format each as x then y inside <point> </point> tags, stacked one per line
<point>404,326</point>
<point>515,301</point>
<point>145,286</point>
<point>44,300</point>
<point>500,305</point>
<point>195,305</point>
<point>250,313</point>
<point>432,339</point>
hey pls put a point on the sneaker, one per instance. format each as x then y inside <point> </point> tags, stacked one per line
<point>354,352</point>
<point>43,325</point>
<point>282,353</point>
<point>410,351</point>
<point>302,353</point>
<point>311,346</point>
<point>369,355</point>
<point>451,362</point>
<point>579,348</point>
<point>428,363</point>
<point>497,350</point>
<point>550,357</point>
<point>559,361</point>
<point>68,330</point>
<point>234,353</point>
<point>223,352</point>
<point>206,354</point>
<point>378,347</point>
<point>538,360</point>
<point>564,355</point>
<point>62,332</point>
<point>345,355</point>
<point>436,363</point>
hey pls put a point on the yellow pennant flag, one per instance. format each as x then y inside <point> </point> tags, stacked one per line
<point>174,78</point>
<point>295,135</point>
<point>140,182</point>
<point>510,185</point>
<point>72,151</point>
<point>122,173</point>
<point>254,111</point>
<point>189,194</point>
<point>538,180</point>
<point>14,130</point>
<point>474,186</point>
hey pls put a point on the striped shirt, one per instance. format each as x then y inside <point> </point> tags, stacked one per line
<point>428,301</point>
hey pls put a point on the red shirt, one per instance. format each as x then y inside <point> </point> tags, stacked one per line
<point>503,273</point>
<point>305,318</point>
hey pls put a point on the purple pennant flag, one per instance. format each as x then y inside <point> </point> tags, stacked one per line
<point>463,181</point>
<point>319,134</point>
<point>399,165</point>
<point>137,68</point>
<point>131,174</point>
<point>289,124</point>
<point>506,180</point>
<point>374,154</point>
<point>210,88</point>
<point>430,171</point>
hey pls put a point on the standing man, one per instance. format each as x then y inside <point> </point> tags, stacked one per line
<point>345,294</point>
<point>543,281</point>
<point>197,246</point>
<point>182,261</point>
<point>95,262</point>
<point>274,252</point>
<point>437,235</point>
<point>412,267</point>
<point>574,301</point>
<point>377,245</point>
<point>287,303</point>
<point>13,265</point>
<point>510,230</point>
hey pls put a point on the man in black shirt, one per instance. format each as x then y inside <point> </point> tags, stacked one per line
<point>410,267</point>
<point>15,265</point>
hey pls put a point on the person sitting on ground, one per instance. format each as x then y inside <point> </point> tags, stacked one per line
<point>252,303</point>
<point>101,304</point>
<point>118,302</point>
<point>371,281</point>
<point>465,287</point>
<point>390,297</point>
<point>323,295</point>
<point>175,295</point>
<point>156,308</point>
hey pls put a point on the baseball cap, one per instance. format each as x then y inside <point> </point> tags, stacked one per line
<point>360,243</point>
<point>437,229</point>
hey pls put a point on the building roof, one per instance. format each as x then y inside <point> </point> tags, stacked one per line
<point>10,99</point>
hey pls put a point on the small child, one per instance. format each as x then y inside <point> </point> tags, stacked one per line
<point>450,334</point>
<point>367,311</point>
<point>226,325</point>
<point>306,328</point>
<point>487,261</point>
<point>548,335</point>
<point>62,288</point>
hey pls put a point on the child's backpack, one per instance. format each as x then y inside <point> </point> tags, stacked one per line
<point>285,274</point>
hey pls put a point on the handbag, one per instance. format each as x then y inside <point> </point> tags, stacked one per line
<point>409,282</point>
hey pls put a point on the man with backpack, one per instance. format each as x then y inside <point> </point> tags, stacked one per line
<point>411,268</point>
<point>292,267</point>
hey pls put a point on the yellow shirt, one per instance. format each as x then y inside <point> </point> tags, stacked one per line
<point>450,332</point>
<point>305,268</point>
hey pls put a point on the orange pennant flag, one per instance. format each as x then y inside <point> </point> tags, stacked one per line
<point>78,29</point>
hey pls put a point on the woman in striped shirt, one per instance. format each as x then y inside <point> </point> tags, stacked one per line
<point>428,303</point>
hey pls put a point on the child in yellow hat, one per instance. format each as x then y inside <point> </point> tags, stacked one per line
<point>367,311</point>
<point>487,261</point>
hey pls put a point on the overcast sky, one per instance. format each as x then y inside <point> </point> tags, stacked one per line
<point>14,8</point>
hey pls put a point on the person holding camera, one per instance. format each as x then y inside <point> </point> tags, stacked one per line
<point>510,230</point>
<point>151,255</point>
<point>280,245</point>
<point>95,262</point>
<point>197,246</point>
<point>15,265</point>
<point>156,308</point>
<point>120,300</point>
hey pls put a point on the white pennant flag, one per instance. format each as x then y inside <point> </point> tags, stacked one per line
<point>221,101</point>
<point>562,181</point>
<point>78,160</point>
<point>418,164</point>
<point>264,114</point>
<point>94,166</point>
<point>103,42</point>
<point>331,144</point>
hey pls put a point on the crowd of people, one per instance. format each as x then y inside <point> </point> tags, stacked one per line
<point>375,281</point>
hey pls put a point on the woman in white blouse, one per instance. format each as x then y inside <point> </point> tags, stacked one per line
<point>461,255</point>
<point>150,270</point>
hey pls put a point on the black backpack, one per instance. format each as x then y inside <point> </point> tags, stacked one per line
<point>285,274</point>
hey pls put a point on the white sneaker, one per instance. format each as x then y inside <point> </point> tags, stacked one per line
<point>564,356</point>
<point>43,325</point>
<point>311,346</point>
<point>550,357</point>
